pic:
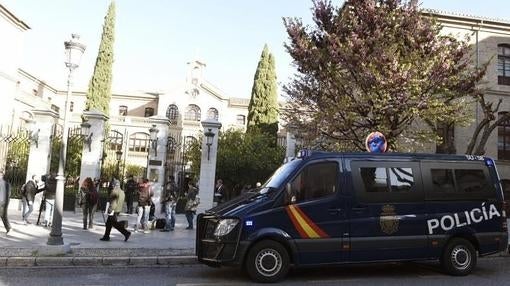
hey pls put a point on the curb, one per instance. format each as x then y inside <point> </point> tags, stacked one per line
<point>66,261</point>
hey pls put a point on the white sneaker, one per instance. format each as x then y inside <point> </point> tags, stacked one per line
<point>146,231</point>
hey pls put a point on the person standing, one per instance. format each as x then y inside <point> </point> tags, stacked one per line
<point>191,204</point>
<point>219,192</point>
<point>88,202</point>
<point>116,200</point>
<point>144,206</point>
<point>28,192</point>
<point>170,201</point>
<point>50,191</point>
<point>131,188</point>
<point>5,194</point>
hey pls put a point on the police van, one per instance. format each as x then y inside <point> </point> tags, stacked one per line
<point>333,208</point>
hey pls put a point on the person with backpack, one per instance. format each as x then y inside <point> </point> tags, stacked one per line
<point>131,188</point>
<point>50,190</point>
<point>28,192</point>
<point>145,194</point>
<point>89,198</point>
<point>170,201</point>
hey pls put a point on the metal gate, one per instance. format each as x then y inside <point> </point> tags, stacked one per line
<point>15,148</point>
<point>112,161</point>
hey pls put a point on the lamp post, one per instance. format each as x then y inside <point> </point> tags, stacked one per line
<point>209,136</point>
<point>118,154</point>
<point>74,50</point>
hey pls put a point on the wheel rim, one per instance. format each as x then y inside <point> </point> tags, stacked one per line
<point>461,257</point>
<point>268,262</point>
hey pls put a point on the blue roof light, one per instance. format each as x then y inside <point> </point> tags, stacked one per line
<point>304,153</point>
<point>489,162</point>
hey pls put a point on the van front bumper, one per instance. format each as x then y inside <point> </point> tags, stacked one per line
<point>217,251</point>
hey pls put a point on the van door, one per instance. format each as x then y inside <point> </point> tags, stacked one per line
<point>316,212</point>
<point>388,214</point>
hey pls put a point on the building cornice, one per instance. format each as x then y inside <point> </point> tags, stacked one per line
<point>13,19</point>
<point>31,77</point>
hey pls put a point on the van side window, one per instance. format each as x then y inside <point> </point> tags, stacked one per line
<point>443,180</point>
<point>468,181</point>
<point>387,179</point>
<point>315,181</point>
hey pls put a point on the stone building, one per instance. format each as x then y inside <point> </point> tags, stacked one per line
<point>185,105</point>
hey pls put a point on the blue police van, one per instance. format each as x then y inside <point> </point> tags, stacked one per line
<point>332,208</point>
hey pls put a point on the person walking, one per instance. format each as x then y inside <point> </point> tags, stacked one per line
<point>50,190</point>
<point>191,204</point>
<point>131,188</point>
<point>144,206</point>
<point>5,194</point>
<point>89,198</point>
<point>28,192</point>
<point>170,201</point>
<point>116,200</point>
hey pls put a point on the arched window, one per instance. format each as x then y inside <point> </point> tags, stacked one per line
<point>139,142</point>
<point>172,112</point>
<point>504,138</point>
<point>212,113</point>
<point>504,64</point>
<point>192,113</point>
<point>123,110</point>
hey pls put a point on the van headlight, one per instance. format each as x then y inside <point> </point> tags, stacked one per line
<point>225,226</point>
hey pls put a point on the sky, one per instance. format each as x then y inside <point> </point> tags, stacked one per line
<point>154,39</point>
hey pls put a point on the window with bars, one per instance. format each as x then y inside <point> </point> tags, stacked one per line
<point>212,113</point>
<point>172,112</point>
<point>504,138</point>
<point>504,64</point>
<point>192,113</point>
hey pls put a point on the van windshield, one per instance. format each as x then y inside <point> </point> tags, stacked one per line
<point>282,173</point>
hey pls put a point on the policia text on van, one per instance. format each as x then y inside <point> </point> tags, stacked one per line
<point>332,208</point>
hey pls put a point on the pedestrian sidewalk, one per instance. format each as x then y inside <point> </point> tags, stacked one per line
<point>25,245</point>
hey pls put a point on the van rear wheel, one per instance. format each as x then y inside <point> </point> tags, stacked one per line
<point>267,262</point>
<point>459,257</point>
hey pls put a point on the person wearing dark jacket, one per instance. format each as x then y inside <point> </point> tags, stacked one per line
<point>131,188</point>
<point>28,192</point>
<point>144,205</point>
<point>50,190</point>
<point>5,192</point>
<point>170,201</point>
<point>88,202</point>
<point>116,200</point>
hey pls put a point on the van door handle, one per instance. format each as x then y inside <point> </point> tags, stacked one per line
<point>334,211</point>
<point>359,209</point>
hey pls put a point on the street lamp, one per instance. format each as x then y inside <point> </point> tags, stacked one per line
<point>209,136</point>
<point>86,134</point>
<point>74,50</point>
<point>118,154</point>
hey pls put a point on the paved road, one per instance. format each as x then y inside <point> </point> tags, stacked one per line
<point>493,271</point>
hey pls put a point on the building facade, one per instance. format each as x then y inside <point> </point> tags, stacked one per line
<point>195,99</point>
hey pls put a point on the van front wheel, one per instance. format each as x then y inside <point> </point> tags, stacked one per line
<point>459,257</point>
<point>267,261</point>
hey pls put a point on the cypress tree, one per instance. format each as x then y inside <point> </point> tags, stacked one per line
<point>99,92</point>
<point>263,107</point>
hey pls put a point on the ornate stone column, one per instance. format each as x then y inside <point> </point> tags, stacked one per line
<point>208,164</point>
<point>91,157</point>
<point>40,146</point>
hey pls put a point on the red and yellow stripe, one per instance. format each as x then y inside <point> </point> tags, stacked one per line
<point>303,224</point>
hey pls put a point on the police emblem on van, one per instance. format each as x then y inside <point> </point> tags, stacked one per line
<point>388,220</point>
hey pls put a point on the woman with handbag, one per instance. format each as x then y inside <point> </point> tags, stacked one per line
<point>191,204</point>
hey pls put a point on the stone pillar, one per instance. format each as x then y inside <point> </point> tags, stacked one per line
<point>290,150</point>
<point>157,158</point>
<point>40,153</point>
<point>91,160</point>
<point>208,165</point>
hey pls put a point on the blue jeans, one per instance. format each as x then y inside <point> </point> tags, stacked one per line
<point>189,217</point>
<point>170,215</point>
<point>28,207</point>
